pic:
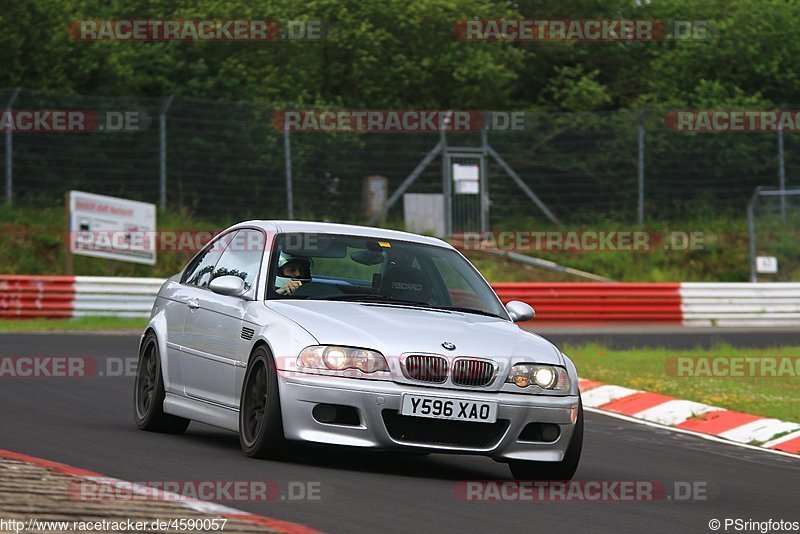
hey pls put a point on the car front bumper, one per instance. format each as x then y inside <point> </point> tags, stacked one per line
<point>378,405</point>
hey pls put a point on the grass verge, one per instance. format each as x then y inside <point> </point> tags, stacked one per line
<point>649,370</point>
<point>76,324</point>
<point>33,241</point>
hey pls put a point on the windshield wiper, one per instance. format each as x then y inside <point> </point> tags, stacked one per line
<point>468,310</point>
<point>371,297</point>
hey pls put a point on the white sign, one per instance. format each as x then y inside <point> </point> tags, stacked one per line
<point>466,178</point>
<point>467,187</point>
<point>766,264</point>
<point>466,172</point>
<point>112,228</point>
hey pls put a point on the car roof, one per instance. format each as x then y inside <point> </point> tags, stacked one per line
<point>344,229</point>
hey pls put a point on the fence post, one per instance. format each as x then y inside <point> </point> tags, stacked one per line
<point>751,234</point>
<point>287,155</point>
<point>447,185</point>
<point>781,169</point>
<point>484,183</point>
<point>9,153</point>
<point>162,134</point>
<point>640,217</point>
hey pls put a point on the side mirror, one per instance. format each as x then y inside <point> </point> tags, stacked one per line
<point>229,285</point>
<point>519,311</point>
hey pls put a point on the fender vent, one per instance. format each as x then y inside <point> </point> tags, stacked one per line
<point>247,333</point>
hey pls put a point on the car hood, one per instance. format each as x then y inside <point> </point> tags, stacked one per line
<point>394,330</point>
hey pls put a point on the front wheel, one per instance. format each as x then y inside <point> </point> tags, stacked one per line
<point>563,470</point>
<point>260,423</point>
<point>148,393</point>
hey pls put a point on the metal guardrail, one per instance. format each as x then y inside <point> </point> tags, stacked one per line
<point>691,304</point>
<point>36,296</point>
<point>76,296</point>
<point>740,304</point>
<point>117,297</point>
<point>592,303</point>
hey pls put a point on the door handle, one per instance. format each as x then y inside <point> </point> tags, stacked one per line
<point>193,304</point>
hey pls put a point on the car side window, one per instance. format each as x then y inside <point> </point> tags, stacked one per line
<point>198,272</point>
<point>242,258</point>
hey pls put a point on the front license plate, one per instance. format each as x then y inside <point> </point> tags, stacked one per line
<point>443,408</point>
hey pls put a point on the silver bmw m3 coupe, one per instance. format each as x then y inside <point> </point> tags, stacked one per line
<point>289,331</point>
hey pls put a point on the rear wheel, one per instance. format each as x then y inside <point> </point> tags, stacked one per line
<point>148,393</point>
<point>260,423</point>
<point>563,470</point>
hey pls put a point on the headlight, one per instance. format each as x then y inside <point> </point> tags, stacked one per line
<point>550,377</point>
<point>333,358</point>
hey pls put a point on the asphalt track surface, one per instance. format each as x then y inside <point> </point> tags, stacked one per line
<point>87,422</point>
<point>678,338</point>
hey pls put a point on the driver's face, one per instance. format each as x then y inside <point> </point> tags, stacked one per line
<point>292,270</point>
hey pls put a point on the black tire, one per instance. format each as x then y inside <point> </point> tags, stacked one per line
<point>148,393</point>
<point>563,470</point>
<point>260,424</point>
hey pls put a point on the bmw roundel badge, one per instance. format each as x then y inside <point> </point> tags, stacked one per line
<point>448,345</point>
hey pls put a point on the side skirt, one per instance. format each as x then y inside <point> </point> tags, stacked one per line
<point>203,412</point>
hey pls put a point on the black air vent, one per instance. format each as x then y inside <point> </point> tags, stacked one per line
<point>247,333</point>
<point>471,372</point>
<point>426,368</point>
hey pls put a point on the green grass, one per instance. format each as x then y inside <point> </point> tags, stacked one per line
<point>723,258</point>
<point>32,241</point>
<point>500,269</point>
<point>76,324</point>
<point>646,369</point>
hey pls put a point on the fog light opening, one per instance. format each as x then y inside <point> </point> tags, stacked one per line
<point>540,432</point>
<point>336,414</point>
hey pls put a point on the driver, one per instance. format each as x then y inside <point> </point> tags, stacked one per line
<point>293,271</point>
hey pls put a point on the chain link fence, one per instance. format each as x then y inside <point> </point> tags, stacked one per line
<point>225,161</point>
<point>774,228</point>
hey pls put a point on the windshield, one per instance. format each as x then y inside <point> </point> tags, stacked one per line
<point>366,269</point>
